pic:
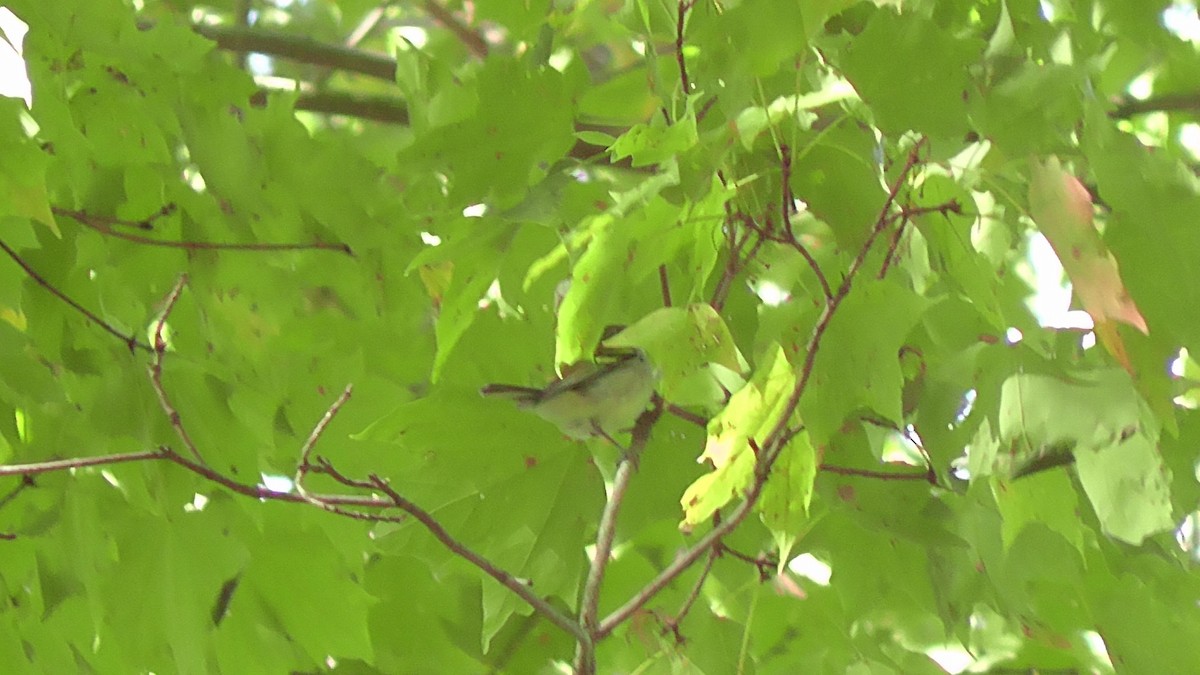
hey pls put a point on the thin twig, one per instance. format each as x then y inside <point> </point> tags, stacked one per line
<point>305,464</point>
<point>53,465</point>
<point>110,221</point>
<point>785,190</point>
<point>664,284</point>
<point>299,48</point>
<point>156,371</point>
<point>26,483</point>
<point>165,453</point>
<point>890,255</point>
<point>763,563</point>
<point>687,416</point>
<point>323,466</point>
<point>505,579</point>
<point>1173,102</point>
<point>776,440</point>
<point>736,261</point>
<point>585,659</point>
<point>260,492</point>
<point>786,206</point>
<point>733,247</point>
<point>904,216</point>
<point>604,543</point>
<point>131,342</point>
<point>103,226</point>
<point>473,41</point>
<point>368,23</point>
<point>672,623</point>
<point>681,16</point>
<point>772,445</point>
<point>868,473</point>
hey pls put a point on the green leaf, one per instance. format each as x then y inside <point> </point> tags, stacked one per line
<point>1046,498</point>
<point>656,142</point>
<point>699,173</point>
<point>686,377</point>
<point>784,507</point>
<point>751,414</point>
<point>912,73</point>
<point>1128,486</point>
<point>863,372</point>
<point>837,176</point>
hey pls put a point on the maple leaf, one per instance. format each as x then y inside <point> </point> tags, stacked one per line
<point>1062,209</point>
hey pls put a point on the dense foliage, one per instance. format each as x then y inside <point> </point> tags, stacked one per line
<point>823,220</point>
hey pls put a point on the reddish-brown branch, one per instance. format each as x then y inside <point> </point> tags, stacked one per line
<point>736,262</point>
<point>589,605</point>
<point>665,285</point>
<point>686,415</point>
<point>299,48</point>
<point>892,246</point>
<point>346,506</point>
<point>104,226</point>
<point>773,446</point>
<point>25,484</point>
<point>681,17</point>
<point>323,466</point>
<point>165,453</point>
<point>107,221</point>
<point>156,371</point>
<point>785,190</point>
<point>787,201</point>
<point>131,342</point>
<point>505,579</point>
<point>868,473</point>
<point>904,216</point>
<point>473,41</point>
<point>671,624</point>
<point>304,466</point>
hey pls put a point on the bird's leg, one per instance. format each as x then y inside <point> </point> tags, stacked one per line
<point>626,455</point>
<point>606,436</point>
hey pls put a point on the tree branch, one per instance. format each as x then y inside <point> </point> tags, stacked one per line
<point>585,658</point>
<point>681,17</point>
<point>299,48</point>
<point>103,225</point>
<point>787,199</point>
<point>165,453</point>
<point>505,579</point>
<point>665,285</point>
<point>868,473</point>
<point>385,109</point>
<point>951,206</point>
<point>368,24</point>
<point>305,466</point>
<point>672,623</point>
<point>473,41</point>
<point>131,342</point>
<point>1176,102</point>
<point>156,370</point>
